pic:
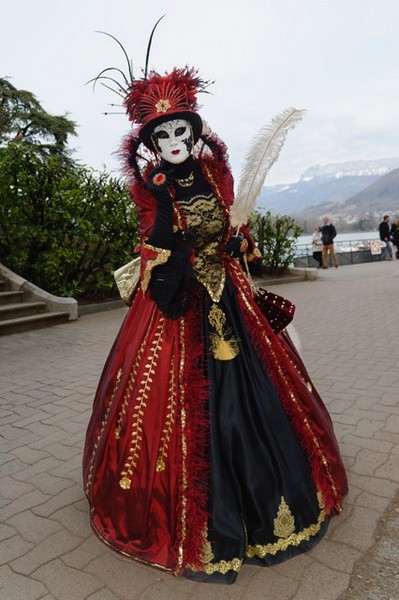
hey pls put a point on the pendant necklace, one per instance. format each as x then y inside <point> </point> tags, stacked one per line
<point>187,181</point>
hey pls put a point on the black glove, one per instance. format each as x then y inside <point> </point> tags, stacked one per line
<point>233,246</point>
<point>173,284</point>
<point>158,184</point>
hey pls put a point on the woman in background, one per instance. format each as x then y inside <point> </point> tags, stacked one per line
<point>317,246</point>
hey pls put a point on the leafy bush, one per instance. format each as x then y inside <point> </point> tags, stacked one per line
<point>64,228</point>
<point>276,238</point>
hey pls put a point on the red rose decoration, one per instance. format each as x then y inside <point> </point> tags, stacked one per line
<point>159,179</point>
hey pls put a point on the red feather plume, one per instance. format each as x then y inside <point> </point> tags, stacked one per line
<point>163,94</point>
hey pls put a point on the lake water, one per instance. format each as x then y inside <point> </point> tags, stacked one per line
<point>355,236</point>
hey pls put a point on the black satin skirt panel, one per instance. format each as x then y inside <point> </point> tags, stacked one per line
<point>257,464</point>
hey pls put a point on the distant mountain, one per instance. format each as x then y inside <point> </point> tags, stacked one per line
<point>324,189</point>
<point>378,198</point>
<point>356,168</point>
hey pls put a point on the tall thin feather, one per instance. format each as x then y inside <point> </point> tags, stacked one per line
<point>147,57</point>
<point>129,62</point>
<point>115,69</point>
<point>261,156</point>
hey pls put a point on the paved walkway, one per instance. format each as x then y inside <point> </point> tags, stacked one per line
<point>347,328</point>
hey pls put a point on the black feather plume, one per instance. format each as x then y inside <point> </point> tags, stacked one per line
<point>129,66</point>
<point>147,58</point>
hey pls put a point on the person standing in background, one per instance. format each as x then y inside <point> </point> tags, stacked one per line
<point>384,237</point>
<point>317,246</point>
<point>328,233</point>
<point>395,236</point>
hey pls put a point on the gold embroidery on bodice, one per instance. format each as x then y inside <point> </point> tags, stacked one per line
<point>206,222</point>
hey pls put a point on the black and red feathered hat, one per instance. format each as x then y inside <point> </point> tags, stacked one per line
<point>158,98</point>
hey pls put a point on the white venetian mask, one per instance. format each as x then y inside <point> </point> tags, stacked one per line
<point>173,140</point>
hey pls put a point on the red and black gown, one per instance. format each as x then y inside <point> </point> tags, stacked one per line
<point>195,463</point>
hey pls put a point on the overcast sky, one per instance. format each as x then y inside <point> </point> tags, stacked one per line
<point>339,59</point>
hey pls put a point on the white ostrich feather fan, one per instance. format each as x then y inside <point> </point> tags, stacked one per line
<point>261,156</point>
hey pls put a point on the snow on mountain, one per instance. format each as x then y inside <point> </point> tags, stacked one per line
<point>357,168</point>
<point>325,184</point>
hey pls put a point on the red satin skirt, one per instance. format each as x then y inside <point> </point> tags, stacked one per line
<point>196,465</point>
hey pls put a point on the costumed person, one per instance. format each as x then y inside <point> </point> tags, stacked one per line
<point>208,445</point>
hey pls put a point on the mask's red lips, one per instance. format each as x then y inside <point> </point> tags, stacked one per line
<point>175,151</point>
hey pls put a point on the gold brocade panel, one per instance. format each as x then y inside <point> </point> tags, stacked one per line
<point>206,223</point>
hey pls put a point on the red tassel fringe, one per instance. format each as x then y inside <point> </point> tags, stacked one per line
<point>194,463</point>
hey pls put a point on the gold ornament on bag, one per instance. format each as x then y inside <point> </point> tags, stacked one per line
<point>127,279</point>
<point>222,348</point>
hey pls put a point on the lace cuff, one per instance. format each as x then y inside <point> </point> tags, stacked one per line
<point>151,256</point>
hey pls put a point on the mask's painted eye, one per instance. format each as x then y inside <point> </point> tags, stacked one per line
<point>179,131</point>
<point>162,135</point>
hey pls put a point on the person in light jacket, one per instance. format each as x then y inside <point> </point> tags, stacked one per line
<point>317,246</point>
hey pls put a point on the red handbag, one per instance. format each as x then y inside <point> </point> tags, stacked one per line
<point>278,310</point>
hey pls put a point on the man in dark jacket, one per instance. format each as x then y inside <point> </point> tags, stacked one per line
<point>395,236</point>
<point>328,233</point>
<point>384,237</point>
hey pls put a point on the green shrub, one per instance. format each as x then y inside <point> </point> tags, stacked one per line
<point>276,238</point>
<point>65,228</point>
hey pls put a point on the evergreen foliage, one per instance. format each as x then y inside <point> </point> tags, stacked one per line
<point>23,119</point>
<point>64,228</point>
<point>276,237</point>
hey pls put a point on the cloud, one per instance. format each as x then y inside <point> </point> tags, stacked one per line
<point>336,59</point>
